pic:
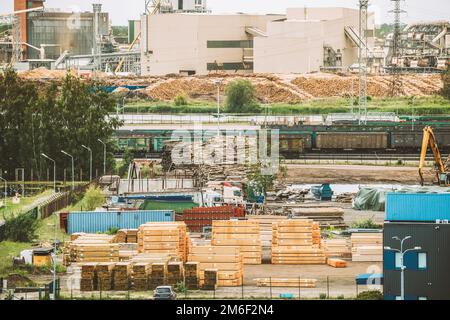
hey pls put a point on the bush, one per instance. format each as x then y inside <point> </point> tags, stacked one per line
<point>370,295</point>
<point>112,231</point>
<point>446,79</point>
<point>366,224</point>
<point>93,199</point>
<point>20,228</point>
<point>241,97</point>
<point>323,296</point>
<point>180,100</point>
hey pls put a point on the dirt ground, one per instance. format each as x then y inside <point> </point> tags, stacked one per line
<point>299,174</point>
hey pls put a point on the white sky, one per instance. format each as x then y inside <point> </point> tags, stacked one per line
<point>123,10</point>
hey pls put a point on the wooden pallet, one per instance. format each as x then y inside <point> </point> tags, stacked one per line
<point>286,282</point>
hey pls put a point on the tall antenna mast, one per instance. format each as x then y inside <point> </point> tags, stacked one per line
<point>362,61</point>
<point>396,83</point>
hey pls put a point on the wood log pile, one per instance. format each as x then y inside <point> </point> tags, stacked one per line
<point>175,273</point>
<point>227,260</point>
<point>104,275</point>
<point>87,276</point>
<point>126,236</point>
<point>211,279</point>
<point>163,238</point>
<point>286,282</point>
<point>297,242</point>
<point>337,247</point>
<point>345,197</point>
<point>326,216</point>
<point>367,247</point>
<point>244,234</point>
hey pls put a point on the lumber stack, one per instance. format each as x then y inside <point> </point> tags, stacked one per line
<point>121,276</point>
<point>121,236</point>
<point>175,273</point>
<point>326,216</point>
<point>192,275</point>
<point>296,242</point>
<point>91,248</point>
<point>157,275</point>
<point>286,282</point>
<point>244,234</point>
<point>132,235</point>
<point>337,248</point>
<point>87,276</point>
<point>336,263</point>
<point>227,260</point>
<point>139,280</point>
<point>211,279</point>
<point>265,227</point>
<point>367,247</point>
<point>163,238</point>
<point>104,275</point>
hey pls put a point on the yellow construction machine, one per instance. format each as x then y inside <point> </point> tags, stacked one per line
<point>441,168</point>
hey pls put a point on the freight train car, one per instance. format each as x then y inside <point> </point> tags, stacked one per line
<point>295,144</point>
<point>352,140</point>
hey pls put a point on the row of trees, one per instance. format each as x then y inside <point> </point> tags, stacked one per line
<point>38,118</point>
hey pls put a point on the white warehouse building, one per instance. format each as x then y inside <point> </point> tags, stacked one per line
<point>304,40</point>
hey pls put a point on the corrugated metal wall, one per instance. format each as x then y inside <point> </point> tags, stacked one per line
<point>417,207</point>
<point>434,239</point>
<point>93,222</point>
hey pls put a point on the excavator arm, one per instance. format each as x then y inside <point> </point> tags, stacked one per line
<point>429,139</point>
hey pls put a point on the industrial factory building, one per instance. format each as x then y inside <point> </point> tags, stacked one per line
<point>303,40</point>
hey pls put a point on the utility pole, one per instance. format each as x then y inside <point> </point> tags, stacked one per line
<point>54,170</point>
<point>362,60</point>
<point>104,155</point>
<point>396,82</point>
<point>73,169</point>
<point>90,161</point>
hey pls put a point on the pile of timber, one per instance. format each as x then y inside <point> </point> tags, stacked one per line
<point>367,247</point>
<point>337,247</point>
<point>211,279</point>
<point>192,275</point>
<point>104,275</point>
<point>326,216</point>
<point>227,260</point>
<point>286,282</point>
<point>126,236</point>
<point>175,273</point>
<point>91,248</point>
<point>139,279</point>
<point>127,251</point>
<point>265,227</point>
<point>244,234</point>
<point>87,276</point>
<point>345,197</point>
<point>163,238</point>
<point>297,242</point>
<point>157,275</point>
<point>336,263</point>
<point>121,276</point>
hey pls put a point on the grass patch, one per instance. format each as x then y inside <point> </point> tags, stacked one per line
<point>12,209</point>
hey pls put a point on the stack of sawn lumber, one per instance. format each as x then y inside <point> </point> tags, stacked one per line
<point>338,247</point>
<point>163,238</point>
<point>326,216</point>
<point>244,234</point>
<point>265,227</point>
<point>126,236</point>
<point>94,248</point>
<point>227,260</point>
<point>367,247</point>
<point>286,282</point>
<point>297,242</point>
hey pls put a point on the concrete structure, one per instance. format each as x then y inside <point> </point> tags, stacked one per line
<point>304,40</point>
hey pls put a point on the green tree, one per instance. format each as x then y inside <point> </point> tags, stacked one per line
<point>180,100</point>
<point>446,80</point>
<point>241,97</point>
<point>93,198</point>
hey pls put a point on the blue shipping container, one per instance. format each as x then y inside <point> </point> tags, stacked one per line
<point>93,222</point>
<point>424,207</point>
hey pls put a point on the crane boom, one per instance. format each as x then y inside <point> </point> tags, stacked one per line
<point>429,139</point>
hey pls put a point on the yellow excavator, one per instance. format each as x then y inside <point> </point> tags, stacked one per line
<point>442,174</point>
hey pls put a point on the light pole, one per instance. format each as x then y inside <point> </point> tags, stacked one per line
<point>90,161</point>
<point>218,84</point>
<point>73,169</point>
<point>54,170</point>
<point>54,256</point>
<point>104,155</point>
<point>6,190</point>
<point>402,266</point>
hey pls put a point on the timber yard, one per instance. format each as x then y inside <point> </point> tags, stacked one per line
<point>301,154</point>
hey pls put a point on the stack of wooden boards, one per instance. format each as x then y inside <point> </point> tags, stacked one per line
<point>163,238</point>
<point>92,248</point>
<point>244,234</point>
<point>175,273</point>
<point>336,263</point>
<point>337,247</point>
<point>121,276</point>
<point>367,247</point>
<point>126,236</point>
<point>265,227</point>
<point>326,216</point>
<point>149,270</point>
<point>104,275</point>
<point>286,282</point>
<point>192,275</point>
<point>297,242</point>
<point>227,260</point>
<point>211,279</point>
<point>87,277</point>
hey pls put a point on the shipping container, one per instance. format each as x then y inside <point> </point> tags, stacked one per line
<point>352,140</point>
<point>93,222</point>
<point>417,206</point>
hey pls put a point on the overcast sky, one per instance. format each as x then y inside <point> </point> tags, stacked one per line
<point>123,10</point>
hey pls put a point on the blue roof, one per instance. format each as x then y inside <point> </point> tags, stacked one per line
<point>363,279</point>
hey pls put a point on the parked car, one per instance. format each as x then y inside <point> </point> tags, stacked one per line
<point>164,293</point>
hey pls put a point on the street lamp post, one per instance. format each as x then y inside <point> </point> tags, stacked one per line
<point>90,161</point>
<point>6,190</point>
<point>402,265</point>
<point>104,155</point>
<point>218,84</point>
<point>54,255</point>
<point>73,168</point>
<point>54,170</point>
